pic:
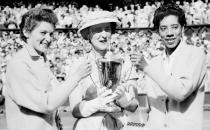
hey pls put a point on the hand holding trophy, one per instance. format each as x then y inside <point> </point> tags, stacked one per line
<point>109,75</point>
<point>106,99</point>
<point>138,60</point>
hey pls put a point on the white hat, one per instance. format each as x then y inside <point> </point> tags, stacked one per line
<point>94,18</point>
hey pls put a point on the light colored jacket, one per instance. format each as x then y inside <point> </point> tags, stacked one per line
<point>28,81</point>
<point>176,97</point>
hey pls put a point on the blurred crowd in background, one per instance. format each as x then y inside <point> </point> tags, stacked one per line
<point>68,46</point>
<point>130,16</point>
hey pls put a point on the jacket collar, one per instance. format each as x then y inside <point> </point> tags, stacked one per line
<point>33,53</point>
<point>176,51</point>
<point>93,55</point>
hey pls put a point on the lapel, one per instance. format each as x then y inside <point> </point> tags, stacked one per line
<point>179,58</point>
<point>94,76</point>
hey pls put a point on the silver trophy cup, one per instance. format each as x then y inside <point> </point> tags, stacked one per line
<point>109,72</point>
<point>110,77</point>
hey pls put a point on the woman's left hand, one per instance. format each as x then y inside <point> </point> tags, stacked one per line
<point>120,91</point>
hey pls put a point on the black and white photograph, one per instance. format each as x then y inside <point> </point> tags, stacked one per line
<point>105,65</point>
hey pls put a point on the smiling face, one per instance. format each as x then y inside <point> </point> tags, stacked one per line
<point>100,36</point>
<point>170,31</point>
<point>41,36</point>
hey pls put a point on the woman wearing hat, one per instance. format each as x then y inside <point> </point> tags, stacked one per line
<point>89,100</point>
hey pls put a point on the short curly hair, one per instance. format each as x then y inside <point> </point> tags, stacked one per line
<point>166,10</point>
<point>31,19</point>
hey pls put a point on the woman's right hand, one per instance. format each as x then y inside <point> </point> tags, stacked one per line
<point>138,60</point>
<point>81,69</point>
<point>105,100</point>
<point>105,96</point>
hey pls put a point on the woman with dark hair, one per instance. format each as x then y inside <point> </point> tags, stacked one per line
<point>32,91</point>
<point>175,79</point>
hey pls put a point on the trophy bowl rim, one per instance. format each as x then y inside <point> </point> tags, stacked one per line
<point>119,60</point>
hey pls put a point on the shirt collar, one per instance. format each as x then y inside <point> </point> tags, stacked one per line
<point>176,51</point>
<point>32,52</point>
<point>93,55</point>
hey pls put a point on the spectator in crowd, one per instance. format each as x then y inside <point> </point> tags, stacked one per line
<point>90,101</point>
<point>175,79</point>
<point>70,16</point>
<point>32,91</point>
<point>12,25</point>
